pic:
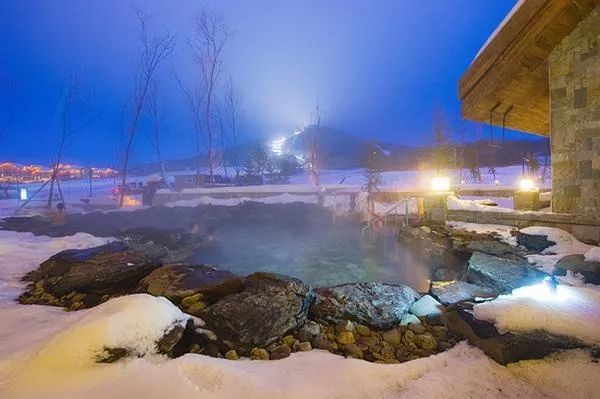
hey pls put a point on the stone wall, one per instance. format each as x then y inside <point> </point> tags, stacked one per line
<point>575,119</point>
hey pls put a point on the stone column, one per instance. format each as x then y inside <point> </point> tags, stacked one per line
<point>574,67</point>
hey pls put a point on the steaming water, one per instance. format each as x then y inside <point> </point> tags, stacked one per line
<point>332,254</point>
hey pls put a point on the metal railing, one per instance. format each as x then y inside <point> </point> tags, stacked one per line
<point>386,213</point>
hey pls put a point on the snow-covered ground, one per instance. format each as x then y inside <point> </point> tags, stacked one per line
<point>48,353</point>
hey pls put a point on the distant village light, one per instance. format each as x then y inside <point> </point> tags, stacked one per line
<point>440,183</point>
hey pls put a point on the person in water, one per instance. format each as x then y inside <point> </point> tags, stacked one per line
<point>60,216</point>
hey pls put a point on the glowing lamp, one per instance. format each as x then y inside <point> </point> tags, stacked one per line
<point>23,194</point>
<point>440,184</point>
<point>527,184</point>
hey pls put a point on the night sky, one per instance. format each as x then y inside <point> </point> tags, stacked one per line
<point>376,67</point>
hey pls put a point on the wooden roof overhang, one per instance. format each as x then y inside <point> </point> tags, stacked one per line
<point>509,77</point>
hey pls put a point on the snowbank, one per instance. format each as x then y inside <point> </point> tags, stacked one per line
<point>502,231</point>
<point>570,311</point>
<point>284,198</point>
<point>565,245</point>
<point>23,252</point>
<point>457,204</point>
<point>134,323</point>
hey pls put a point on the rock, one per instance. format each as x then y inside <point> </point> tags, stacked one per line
<point>113,269</point>
<point>211,350</point>
<point>259,354</point>
<point>231,355</point>
<point>535,243</point>
<point>196,308</point>
<point>577,264</point>
<point>289,340</point>
<point>270,306</point>
<point>111,355</point>
<point>363,330</point>
<point>408,338</point>
<point>503,348</point>
<point>345,338</point>
<point>377,305</point>
<point>503,275</point>
<point>190,300</point>
<point>166,344</point>
<point>280,352</point>
<point>353,351</point>
<point>303,346</point>
<point>417,328</point>
<point>309,330</point>
<point>409,318</point>
<point>179,281</point>
<point>392,337</point>
<point>427,307</point>
<point>426,341</point>
<point>344,325</point>
<point>448,292</point>
<point>321,342</point>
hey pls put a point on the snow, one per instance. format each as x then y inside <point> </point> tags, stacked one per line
<point>23,252</point>
<point>593,255</point>
<point>454,203</point>
<point>565,245</point>
<point>499,28</point>
<point>502,231</point>
<point>570,311</point>
<point>284,198</point>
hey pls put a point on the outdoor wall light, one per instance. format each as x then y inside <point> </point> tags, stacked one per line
<point>527,184</point>
<point>440,184</point>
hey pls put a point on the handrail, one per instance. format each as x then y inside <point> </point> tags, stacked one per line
<point>372,222</point>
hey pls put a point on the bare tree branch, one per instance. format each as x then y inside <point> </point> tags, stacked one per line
<point>153,50</point>
<point>157,115</point>
<point>211,33</point>
<point>76,114</point>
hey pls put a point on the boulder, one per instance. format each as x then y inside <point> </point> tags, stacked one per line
<point>448,292</point>
<point>114,268</point>
<point>269,306</point>
<point>501,274</point>
<point>376,305</point>
<point>535,243</point>
<point>428,308</point>
<point>508,347</point>
<point>577,264</point>
<point>180,281</point>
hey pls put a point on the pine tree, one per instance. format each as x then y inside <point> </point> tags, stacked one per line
<point>441,152</point>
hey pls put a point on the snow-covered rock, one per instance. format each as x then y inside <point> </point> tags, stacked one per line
<point>570,311</point>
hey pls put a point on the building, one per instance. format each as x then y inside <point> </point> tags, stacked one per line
<point>539,72</point>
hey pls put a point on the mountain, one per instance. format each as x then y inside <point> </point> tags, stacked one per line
<point>341,150</point>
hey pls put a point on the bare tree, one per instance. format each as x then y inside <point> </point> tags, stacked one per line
<point>232,115</point>
<point>157,114</point>
<point>154,50</point>
<point>441,152</point>
<point>7,115</point>
<point>312,160</point>
<point>76,114</point>
<point>211,33</point>
<point>194,98</point>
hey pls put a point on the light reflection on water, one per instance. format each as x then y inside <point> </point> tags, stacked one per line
<point>321,256</point>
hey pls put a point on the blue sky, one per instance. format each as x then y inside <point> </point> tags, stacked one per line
<point>377,67</point>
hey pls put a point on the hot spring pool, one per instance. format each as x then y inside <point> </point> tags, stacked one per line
<point>322,254</point>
